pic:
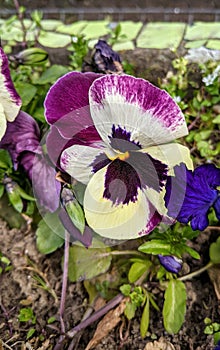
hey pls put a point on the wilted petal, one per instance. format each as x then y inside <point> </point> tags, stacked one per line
<point>106,60</point>
<point>22,135</point>
<point>68,94</point>
<point>147,113</point>
<point>170,263</point>
<point>45,187</point>
<point>111,219</point>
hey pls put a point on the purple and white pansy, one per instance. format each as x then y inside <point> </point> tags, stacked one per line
<point>10,101</point>
<point>120,145</point>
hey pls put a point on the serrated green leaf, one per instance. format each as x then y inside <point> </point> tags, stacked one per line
<point>50,234</point>
<point>214,252</point>
<point>137,269</point>
<point>52,74</point>
<point>174,307</point>
<point>145,318</point>
<point>155,247</point>
<point>26,91</point>
<point>5,159</point>
<point>86,263</point>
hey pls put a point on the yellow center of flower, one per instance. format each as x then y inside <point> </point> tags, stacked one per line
<point>121,156</point>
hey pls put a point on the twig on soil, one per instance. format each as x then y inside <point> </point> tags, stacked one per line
<point>94,317</point>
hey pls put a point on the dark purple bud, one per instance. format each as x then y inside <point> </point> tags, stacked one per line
<point>170,263</point>
<point>105,60</point>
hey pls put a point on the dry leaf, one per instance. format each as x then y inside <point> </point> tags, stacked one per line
<point>109,322</point>
<point>162,344</point>
<point>214,275</point>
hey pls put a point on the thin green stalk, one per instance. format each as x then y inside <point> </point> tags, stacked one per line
<point>196,273</point>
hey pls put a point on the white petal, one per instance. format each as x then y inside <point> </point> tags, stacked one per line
<point>77,161</point>
<point>3,123</point>
<point>149,115</point>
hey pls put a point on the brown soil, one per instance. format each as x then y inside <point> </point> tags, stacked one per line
<point>19,289</point>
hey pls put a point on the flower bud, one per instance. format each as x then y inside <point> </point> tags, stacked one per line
<point>170,263</point>
<point>32,56</point>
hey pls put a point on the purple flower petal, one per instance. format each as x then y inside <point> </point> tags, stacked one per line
<point>10,101</point>
<point>170,263</point>
<point>22,135</point>
<point>148,113</point>
<point>43,176</point>
<point>68,94</point>
<point>190,195</point>
<point>106,60</point>
<point>75,234</point>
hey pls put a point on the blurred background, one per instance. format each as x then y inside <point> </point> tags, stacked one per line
<point>118,10</point>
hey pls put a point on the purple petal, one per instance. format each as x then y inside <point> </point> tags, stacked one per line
<point>170,263</point>
<point>190,195</point>
<point>22,135</point>
<point>67,95</point>
<point>45,186</point>
<point>216,206</point>
<point>9,98</point>
<point>148,113</point>
<point>210,173</point>
<point>56,143</point>
<point>86,238</point>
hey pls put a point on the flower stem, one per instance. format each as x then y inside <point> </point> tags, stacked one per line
<point>58,346</point>
<point>196,273</point>
<point>123,252</point>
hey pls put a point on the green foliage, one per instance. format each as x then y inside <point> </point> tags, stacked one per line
<point>212,328</point>
<point>79,51</point>
<point>50,234</point>
<point>5,264</point>
<point>26,314</point>
<point>214,252</point>
<point>86,263</point>
<point>174,306</point>
<point>171,242</point>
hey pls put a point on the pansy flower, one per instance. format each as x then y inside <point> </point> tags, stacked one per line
<point>10,102</point>
<point>123,152</point>
<point>200,190</point>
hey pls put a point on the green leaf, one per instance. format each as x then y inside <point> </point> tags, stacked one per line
<point>76,214</point>
<point>126,289</point>
<point>216,120</point>
<point>15,200</point>
<point>26,314</point>
<point>86,263</point>
<point>5,159</point>
<point>30,333</point>
<point>174,306</point>
<point>216,337</point>
<point>79,191</point>
<point>155,247</point>
<point>51,319</point>
<point>214,252</point>
<point>50,234</point>
<point>137,269</point>
<point>26,91</point>
<point>145,318</point>
<point>24,195</point>
<point>52,74</point>
<point>130,310</point>
<point>192,252</point>
<point>2,188</point>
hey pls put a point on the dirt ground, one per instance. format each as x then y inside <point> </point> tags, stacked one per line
<point>19,288</point>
